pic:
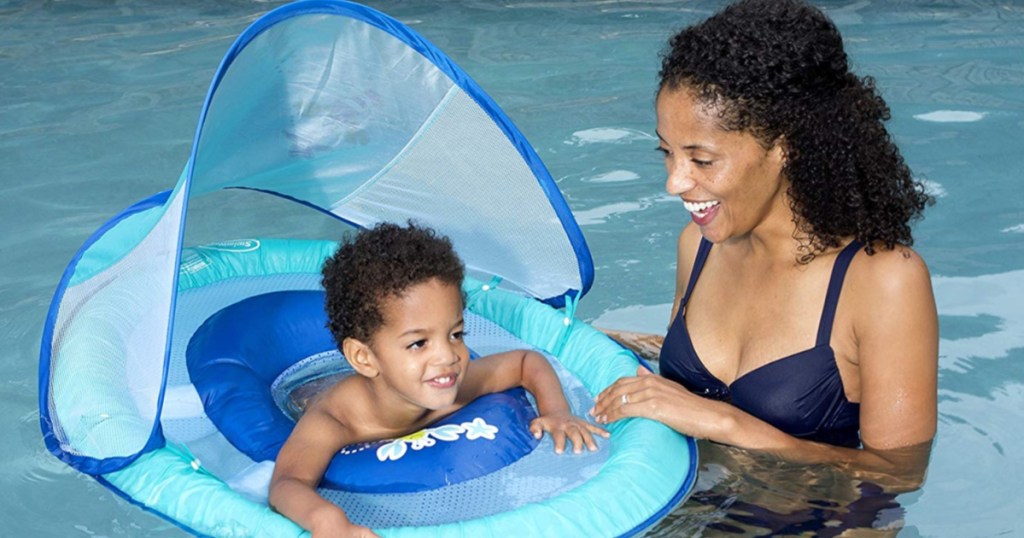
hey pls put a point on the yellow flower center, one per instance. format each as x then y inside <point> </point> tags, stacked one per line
<point>414,436</point>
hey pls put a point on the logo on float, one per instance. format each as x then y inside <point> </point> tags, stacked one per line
<point>239,245</point>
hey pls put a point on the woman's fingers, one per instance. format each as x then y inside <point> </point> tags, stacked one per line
<point>640,396</point>
<point>618,399</point>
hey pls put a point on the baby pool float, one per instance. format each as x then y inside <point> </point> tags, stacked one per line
<point>168,372</point>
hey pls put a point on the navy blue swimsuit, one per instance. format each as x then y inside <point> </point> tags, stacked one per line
<point>801,394</point>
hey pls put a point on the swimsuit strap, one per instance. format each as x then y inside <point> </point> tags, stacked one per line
<point>835,285</point>
<point>698,264</point>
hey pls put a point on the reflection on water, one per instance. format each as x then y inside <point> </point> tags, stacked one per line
<point>994,306</point>
<point>741,493</point>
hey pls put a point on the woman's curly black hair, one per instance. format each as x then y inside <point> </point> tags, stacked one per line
<point>777,69</point>
<point>380,263</point>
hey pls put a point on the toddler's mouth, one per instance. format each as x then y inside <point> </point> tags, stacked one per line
<point>443,381</point>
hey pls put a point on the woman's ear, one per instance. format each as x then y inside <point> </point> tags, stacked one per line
<point>360,357</point>
<point>778,152</point>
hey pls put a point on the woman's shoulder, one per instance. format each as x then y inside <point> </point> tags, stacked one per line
<point>890,272</point>
<point>686,252</point>
<point>689,242</point>
<point>890,290</point>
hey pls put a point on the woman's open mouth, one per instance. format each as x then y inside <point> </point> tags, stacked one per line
<point>702,212</point>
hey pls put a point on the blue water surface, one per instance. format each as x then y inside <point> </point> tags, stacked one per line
<point>98,104</point>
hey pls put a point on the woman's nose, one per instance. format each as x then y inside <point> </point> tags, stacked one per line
<point>678,180</point>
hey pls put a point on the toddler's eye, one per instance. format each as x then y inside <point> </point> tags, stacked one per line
<point>458,335</point>
<point>417,344</point>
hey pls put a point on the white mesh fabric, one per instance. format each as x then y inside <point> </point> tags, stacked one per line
<point>460,174</point>
<point>193,308</point>
<point>313,107</point>
<point>107,353</point>
<point>339,114</point>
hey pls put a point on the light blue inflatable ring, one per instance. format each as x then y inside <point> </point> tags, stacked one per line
<point>620,490</point>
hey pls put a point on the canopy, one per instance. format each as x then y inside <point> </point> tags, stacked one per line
<point>340,108</point>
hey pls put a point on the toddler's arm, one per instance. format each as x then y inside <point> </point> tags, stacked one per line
<point>300,467</point>
<point>533,372</point>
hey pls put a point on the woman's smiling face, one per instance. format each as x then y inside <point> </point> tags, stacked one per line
<point>729,183</point>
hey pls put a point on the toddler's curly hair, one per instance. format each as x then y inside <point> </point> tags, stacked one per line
<point>379,263</point>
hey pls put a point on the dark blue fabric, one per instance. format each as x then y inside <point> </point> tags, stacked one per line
<point>237,353</point>
<point>801,394</point>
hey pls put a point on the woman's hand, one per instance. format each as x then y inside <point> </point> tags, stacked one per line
<point>564,426</point>
<point>651,396</point>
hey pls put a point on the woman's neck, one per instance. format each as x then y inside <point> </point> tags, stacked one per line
<point>775,239</point>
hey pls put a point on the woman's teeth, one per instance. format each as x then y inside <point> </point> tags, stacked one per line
<point>699,207</point>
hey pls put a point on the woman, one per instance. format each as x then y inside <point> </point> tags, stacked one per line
<point>803,324</point>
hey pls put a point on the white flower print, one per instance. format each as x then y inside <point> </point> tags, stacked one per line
<point>479,429</point>
<point>395,449</point>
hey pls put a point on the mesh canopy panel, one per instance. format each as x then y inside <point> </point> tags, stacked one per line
<point>108,346</point>
<point>313,107</point>
<point>461,173</point>
<point>345,116</point>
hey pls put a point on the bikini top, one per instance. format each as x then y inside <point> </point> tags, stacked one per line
<point>801,394</point>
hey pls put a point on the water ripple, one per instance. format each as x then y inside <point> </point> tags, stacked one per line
<point>607,135</point>
<point>998,296</point>
<point>951,116</point>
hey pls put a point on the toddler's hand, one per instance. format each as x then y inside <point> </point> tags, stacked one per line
<point>345,530</point>
<point>566,425</point>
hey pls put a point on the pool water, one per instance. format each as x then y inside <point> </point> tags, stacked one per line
<point>98,104</point>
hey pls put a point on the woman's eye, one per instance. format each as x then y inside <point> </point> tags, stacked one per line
<point>702,163</point>
<point>662,151</point>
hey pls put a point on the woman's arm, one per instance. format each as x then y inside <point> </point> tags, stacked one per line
<point>896,336</point>
<point>654,397</point>
<point>896,331</point>
<point>645,345</point>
